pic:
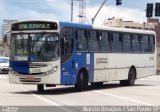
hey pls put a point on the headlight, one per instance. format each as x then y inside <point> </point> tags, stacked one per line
<point>51,71</point>
<point>12,72</point>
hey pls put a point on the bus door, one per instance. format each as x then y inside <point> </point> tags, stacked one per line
<point>66,46</point>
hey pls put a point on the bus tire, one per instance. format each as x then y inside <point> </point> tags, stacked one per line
<point>97,84</point>
<point>131,78</point>
<point>40,87</point>
<point>82,82</point>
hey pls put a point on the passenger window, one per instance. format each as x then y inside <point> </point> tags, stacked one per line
<point>116,42</point>
<point>105,42</point>
<point>127,43</point>
<point>152,43</point>
<point>93,41</point>
<point>81,40</point>
<point>136,43</point>
<point>145,44</point>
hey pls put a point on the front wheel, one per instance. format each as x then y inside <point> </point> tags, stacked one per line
<point>40,87</point>
<point>82,81</point>
<point>131,78</point>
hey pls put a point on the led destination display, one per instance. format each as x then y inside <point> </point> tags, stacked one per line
<point>34,26</point>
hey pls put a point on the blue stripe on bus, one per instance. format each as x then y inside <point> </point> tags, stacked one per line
<point>62,24</point>
<point>21,67</point>
<point>69,71</point>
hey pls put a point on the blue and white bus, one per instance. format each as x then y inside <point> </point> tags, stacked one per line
<point>63,53</point>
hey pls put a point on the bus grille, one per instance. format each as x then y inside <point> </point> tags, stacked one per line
<point>21,73</point>
<point>37,65</point>
<point>36,73</point>
<point>30,80</point>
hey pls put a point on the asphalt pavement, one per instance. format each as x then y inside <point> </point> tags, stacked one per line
<point>144,93</point>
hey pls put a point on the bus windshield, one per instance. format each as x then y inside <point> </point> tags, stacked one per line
<point>35,47</point>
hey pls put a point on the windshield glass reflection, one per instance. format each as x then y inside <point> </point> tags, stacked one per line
<point>35,47</point>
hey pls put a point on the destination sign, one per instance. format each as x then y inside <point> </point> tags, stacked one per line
<point>34,26</point>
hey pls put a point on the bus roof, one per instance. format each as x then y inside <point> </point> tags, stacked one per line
<point>124,29</point>
<point>90,26</point>
<point>79,25</point>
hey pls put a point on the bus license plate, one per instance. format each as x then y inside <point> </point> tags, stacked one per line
<point>30,78</point>
<point>35,70</point>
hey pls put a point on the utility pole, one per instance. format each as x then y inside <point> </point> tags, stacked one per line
<point>71,10</point>
<point>98,12</point>
<point>82,11</point>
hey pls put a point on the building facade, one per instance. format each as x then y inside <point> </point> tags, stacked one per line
<point>6,35</point>
<point>112,22</point>
<point>157,30</point>
<point>157,27</point>
<point>6,27</point>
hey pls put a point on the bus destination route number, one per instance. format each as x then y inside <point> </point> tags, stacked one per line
<point>34,26</point>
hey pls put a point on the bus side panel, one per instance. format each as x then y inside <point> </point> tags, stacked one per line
<point>115,66</point>
<point>101,71</point>
<point>121,63</point>
<point>146,65</point>
<point>67,76</point>
<point>86,61</point>
<point>70,70</point>
<point>109,67</point>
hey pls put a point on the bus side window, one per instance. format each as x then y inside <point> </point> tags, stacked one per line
<point>105,42</point>
<point>136,48</point>
<point>81,40</point>
<point>116,42</point>
<point>66,43</point>
<point>93,41</point>
<point>145,44</point>
<point>152,43</point>
<point>67,46</point>
<point>127,43</point>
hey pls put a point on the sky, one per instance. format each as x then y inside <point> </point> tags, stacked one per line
<point>130,10</point>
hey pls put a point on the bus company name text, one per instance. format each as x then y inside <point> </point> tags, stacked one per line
<point>101,60</point>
